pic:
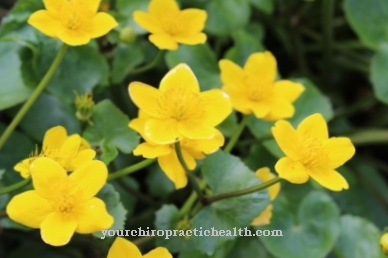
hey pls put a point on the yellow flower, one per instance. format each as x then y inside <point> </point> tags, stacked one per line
<point>60,204</point>
<point>310,152</point>
<point>166,155</point>
<point>69,151</point>
<point>253,88</point>
<point>178,109</point>
<point>265,216</point>
<point>169,25</point>
<point>384,243</point>
<point>75,22</point>
<point>123,248</point>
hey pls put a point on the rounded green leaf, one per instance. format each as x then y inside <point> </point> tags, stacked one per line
<point>379,75</point>
<point>311,233</point>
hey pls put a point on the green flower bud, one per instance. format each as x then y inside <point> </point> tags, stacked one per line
<point>127,35</point>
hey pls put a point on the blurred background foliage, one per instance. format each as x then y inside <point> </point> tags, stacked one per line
<point>338,49</point>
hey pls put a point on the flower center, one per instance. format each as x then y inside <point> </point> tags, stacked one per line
<point>181,104</point>
<point>65,198</point>
<point>74,14</point>
<point>312,154</point>
<point>257,89</point>
<point>171,23</point>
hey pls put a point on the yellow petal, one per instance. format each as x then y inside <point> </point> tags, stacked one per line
<point>54,138</point>
<point>193,20</point>
<point>122,248</point>
<point>92,5</point>
<point>74,37</point>
<point>146,98</point>
<point>102,23</point>
<point>159,252</point>
<point>264,218</point>
<point>262,65</point>
<point>159,8</point>
<point>173,169</point>
<point>288,90</point>
<point>45,23</point>
<point>81,158</point>
<point>260,108</point>
<point>57,229</point>
<point>313,126</point>
<point>93,217</point>
<point>238,98</point>
<point>181,76</point>
<point>191,39</point>
<point>279,109</point>
<point>147,22</point>
<point>231,74</point>
<point>54,6</point>
<point>151,151</point>
<point>217,106</point>
<point>287,138</point>
<point>207,146</point>
<point>162,131</point>
<point>29,209</point>
<point>23,167</point>
<point>339,150</point>
<point>69,149</point>
<point>330,179</point>
<point>265,175</point>
<point>195,130</point>
<point>163,41</point>
<point>81,177</point>
<point>292,171</point>
<point>44,172</point>
<point>137,125</point>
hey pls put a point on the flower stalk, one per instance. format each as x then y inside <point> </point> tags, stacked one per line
<point>131,169</point>
<point>150,65</point>
<point>34,96</point>
<point>244,191</point>
<point>233,140</point>
<point>15,186</point>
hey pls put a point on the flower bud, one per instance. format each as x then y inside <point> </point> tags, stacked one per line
<point>84,105</point>
<point>127,35</point>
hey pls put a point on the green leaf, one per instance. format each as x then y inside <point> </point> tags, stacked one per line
<point>310,101</point>
<point>158,183</point>
<point>368,19</point>
<point>227,16</point>
<point>229,125</point>
<point>125,58</point>
<point>111,125</point>
<point>379,76</point>
<point>167,218</point>
<point>359,238</point>
<point>12,89</point>
<point>245,43</point>
<point>114,207</point>
<point>249,247</point>
<point>226,173</point>
<point>313,231</point>
<point>201,60</point>
<point>126,9</point>
<point>49,111</point>
<point>267,6</point>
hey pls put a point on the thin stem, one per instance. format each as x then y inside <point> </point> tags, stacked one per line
<point>373,136</point>
<point>150,65</point>
<point>244,191</point>
<point>14,186</point>
<point>185,209</point>
<point>130,169</point>
<point>236,135</point>
<point>142,240</point>
<point>31,100</point>
<point>190,176</point>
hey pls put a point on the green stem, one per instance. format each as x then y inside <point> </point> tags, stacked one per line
<point>31,100</point>
<point>142,240</point>
<point>236,135</point>
<point>185,209</point>
<point>327,28</point>
<point>189,173</point>
<point>244,191</point>
<point>130,169</point>
<point>373,136</point>
<point>14,186</point>
<point>150,65</point>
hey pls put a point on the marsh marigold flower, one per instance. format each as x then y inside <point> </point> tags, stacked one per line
<point>384,243</point>
<point>265,216</point>
<point>169,25</point>
<point>62,204</point>
<point>75,22</point>
<point>69,151</point>
<point>310,152</point>
<point>166,155</point>
<point>178,109</point>
<point>122,248</point>
<point>253,88</point>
